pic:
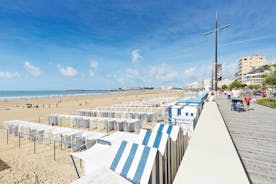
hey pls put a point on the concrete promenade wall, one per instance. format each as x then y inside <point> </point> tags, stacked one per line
<point>211,157</point>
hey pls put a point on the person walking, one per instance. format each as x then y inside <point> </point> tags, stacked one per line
<point>235,93</point>
<point>247,100</point>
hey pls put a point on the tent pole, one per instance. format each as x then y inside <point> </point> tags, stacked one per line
<point>75,167</point>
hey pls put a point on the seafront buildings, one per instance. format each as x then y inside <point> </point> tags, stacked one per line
<point>248,64</point>
<point>251,71</point>
<point>226,82</point>
<point>257,76</point>
<point>202,84</point>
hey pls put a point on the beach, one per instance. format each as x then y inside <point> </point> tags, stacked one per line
<point>23,166</point>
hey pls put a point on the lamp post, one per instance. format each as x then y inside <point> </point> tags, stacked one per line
<point>216,30</point>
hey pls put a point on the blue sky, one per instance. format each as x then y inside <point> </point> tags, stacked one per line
<point>96,44</point>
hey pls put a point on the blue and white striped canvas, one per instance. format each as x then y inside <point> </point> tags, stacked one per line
<point>156,140</point>
<point>171,130</point>
<point>134,162</point>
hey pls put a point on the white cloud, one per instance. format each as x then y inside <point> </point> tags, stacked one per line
<point>162,73</point>
<point>151,75</point>
<point>190,72</point>
<point>33,70</point>
<point>67,71</point>
<point>92,68</point>
<point>132,73</point>
<point>9,74</point>
<point>136,57</point>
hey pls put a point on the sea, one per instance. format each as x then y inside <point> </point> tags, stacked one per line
<point>22,94</point>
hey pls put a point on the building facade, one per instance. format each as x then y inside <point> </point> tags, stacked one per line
<point>225,82</point>
<point>202,84</point>
<point>257,76</point>
<point>248,64</point>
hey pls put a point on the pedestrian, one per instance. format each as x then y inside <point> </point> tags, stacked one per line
<point>235,93</point>
<point>247,100</point>
<point>211,97</point>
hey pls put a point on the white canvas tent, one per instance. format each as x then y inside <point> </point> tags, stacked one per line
<point>117,137</point>
<point>97,157</point>
<point>100,154</point>
<point>50,134</point>
<point>143,116</point>
<point>99,123</point>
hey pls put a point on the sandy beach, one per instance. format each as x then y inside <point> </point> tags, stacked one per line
<point>22,165</point>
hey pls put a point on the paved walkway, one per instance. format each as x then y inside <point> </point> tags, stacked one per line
<point>254,134</point>
<point>211,157</point>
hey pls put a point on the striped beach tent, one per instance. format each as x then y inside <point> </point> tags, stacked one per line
<point>161,142</point>
<point>177,145</point>
<point>136,163</point>
<point>102,176</point>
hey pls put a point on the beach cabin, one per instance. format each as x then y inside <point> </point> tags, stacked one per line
<point>137,163</point>
<point>185,116</point>
<point>174,113</point>
<point>198,101</point>
<point>177,147</point>
<point>125,163</point>
<point>161,142</point>
<point>191,115</point>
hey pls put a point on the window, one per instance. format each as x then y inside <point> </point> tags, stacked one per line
<point>186,114</point>
<point>178,112</point>
<point>192,114</point>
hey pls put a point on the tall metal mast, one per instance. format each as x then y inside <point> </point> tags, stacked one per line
<point>216,50</point>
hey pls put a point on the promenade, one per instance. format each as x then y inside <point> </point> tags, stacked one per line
<point>211,157</point>
<point>254,135</point>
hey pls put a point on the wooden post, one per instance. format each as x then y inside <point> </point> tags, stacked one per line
<point>19,142</point>
<point>61,142</point>
<point>7,136</point>
<point>34,145</point>
<point>55,150</point>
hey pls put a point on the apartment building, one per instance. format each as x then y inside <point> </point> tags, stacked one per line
<point>258,75</point>
<point>248,64</point>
